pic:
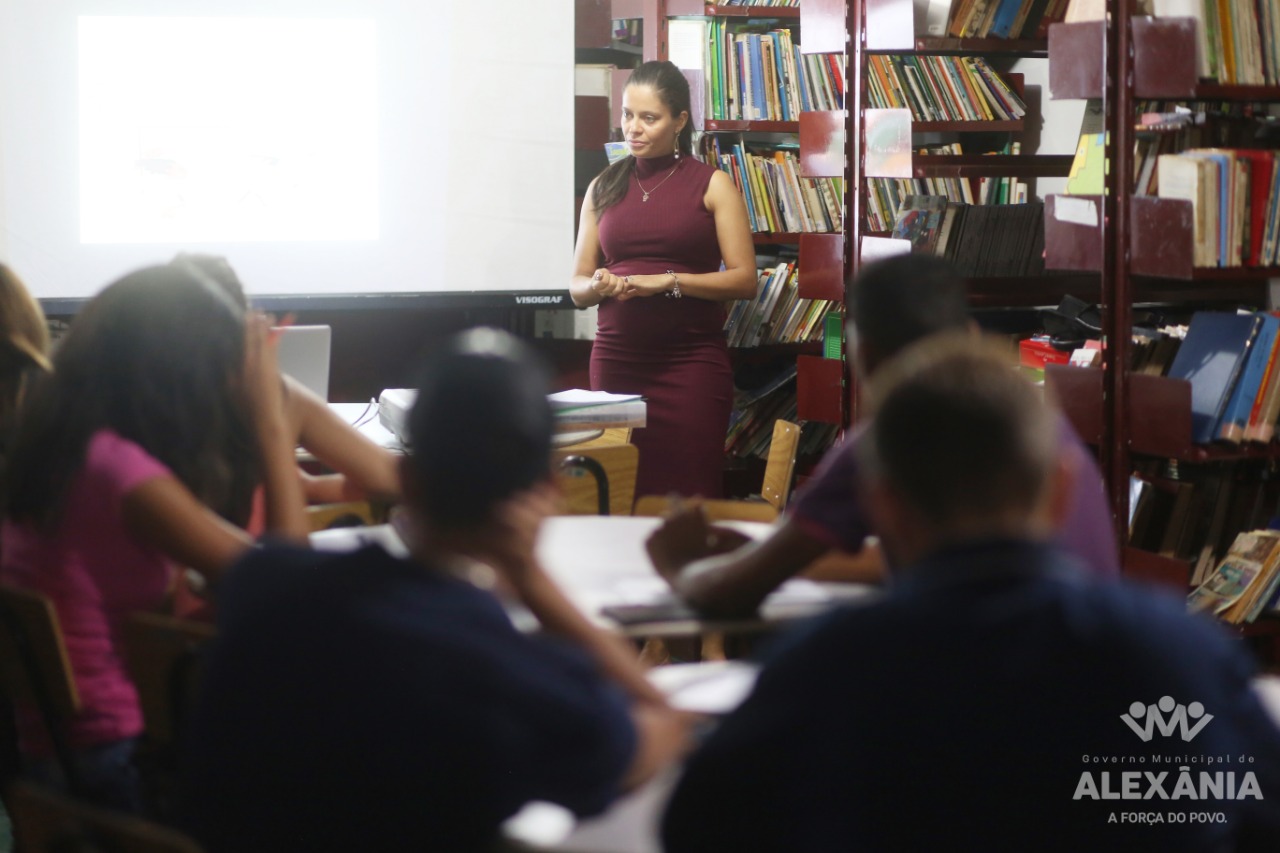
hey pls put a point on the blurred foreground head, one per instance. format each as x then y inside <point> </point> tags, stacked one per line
<point>480,429</point>
<point>960,447</point>
<point>901,300</point>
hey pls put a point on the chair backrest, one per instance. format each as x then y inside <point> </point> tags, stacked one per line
<point>780,468</point>
<point>48,822</point>
<point>716,510</point>
<point>33,658</point>
<point>163,654</point>
<point>619,462</point>
<point>608,438</point>
<point>34,668</point>
<point>345,514</point>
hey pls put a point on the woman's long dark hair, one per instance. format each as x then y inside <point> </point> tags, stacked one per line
<point>157,357</point>
<point>672,89</point>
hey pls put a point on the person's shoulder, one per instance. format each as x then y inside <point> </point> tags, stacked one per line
<point>112,457</point>
<point>1138,617</point>
<point>108,446</point>
<point>280,575</point>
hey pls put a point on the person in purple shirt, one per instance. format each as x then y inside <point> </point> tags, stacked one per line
<point>892,304</point>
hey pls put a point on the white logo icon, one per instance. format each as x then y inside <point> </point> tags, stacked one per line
<point>1165,716</point>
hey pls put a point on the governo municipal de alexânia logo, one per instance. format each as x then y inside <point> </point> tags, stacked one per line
<point>1166,717</point>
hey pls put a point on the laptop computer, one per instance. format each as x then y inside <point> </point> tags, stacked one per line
<point>304,355</point>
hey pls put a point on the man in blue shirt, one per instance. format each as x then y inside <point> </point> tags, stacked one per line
<point>366,702</point>
<point>994,698</point>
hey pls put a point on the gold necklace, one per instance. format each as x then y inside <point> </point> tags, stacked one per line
<point>660,183</point>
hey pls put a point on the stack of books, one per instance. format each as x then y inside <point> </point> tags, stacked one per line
<point>577,409</point>
<point>763,76</point>
<point>778,199</point>
<point>980,240</point>
<point>1238,41</point>
<point>1234,195</point>
<point>1245,583</point>
<point>777,315</point>
<point>1009,19</point>
<point>941,88</point>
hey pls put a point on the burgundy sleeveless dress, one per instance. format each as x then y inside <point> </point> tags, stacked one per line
<point>670,350</point>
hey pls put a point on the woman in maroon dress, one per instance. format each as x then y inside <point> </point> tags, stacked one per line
<point>655,229</point>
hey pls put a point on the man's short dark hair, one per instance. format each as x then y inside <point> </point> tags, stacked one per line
<point>481,427</point>
<point>900,300</point>
<point>957,433</point>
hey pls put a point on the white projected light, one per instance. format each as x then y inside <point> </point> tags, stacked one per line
<point>327,148</point>
<point>227,129</point>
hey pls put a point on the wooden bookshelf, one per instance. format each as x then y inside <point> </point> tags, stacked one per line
<point>715,125</point>
<point>1013,126</point>
<point>768,238</point>
<point>691,8</point>
<point>1159,414</point>
<point>942,46</point>
<point>989,165</point>
<point>1029,291</point>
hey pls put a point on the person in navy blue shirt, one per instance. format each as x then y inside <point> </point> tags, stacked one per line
<point>365,702</point>
<point>996,698</point>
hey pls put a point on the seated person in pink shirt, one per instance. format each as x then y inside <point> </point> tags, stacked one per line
<point>137,455</point>
<point>892,304</point>
<point>361,469</point>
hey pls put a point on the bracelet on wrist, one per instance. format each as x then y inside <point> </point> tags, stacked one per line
<point>674,291</point>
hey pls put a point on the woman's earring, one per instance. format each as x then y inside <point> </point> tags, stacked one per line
<point>677,149</point>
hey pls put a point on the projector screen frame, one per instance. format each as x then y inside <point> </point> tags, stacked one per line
<point>437,301</point>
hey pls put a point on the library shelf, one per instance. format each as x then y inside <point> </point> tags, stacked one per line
<point>790,348</point>
<point>988,165</point>
<point>820,388</point>
<point>1014,126</point>
<point>1030,291</point>
<point>1160,247</point>
<point>1161,70</point>
<point>942,46</point>
<point>716,125</point>
<point>1159,416</point>
<point>712,10</point>
<point>766,238</point>
<point>1157,569</point>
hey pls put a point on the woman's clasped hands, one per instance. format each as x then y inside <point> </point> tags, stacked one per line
<point>624,287</point>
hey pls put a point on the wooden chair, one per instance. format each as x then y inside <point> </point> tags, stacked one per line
<point>164,658</point>
<point>163,655</point>
<point>345,514</point>
<point>35,669</point>
<point>658,505</point>
<point>780,468</point>
<point>47,822</point>
<point>585,491</point>
<point>610,437</point>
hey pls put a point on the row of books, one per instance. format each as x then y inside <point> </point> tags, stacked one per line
<point>764,76</point>
<point>1245,583</point>
<point>885,196</point>
<point>1010,19</point>
<point>762,395</point>
<point>1182,129</point>
<point>777,314</point>
<point>942,88</point>
<point>1238,41</point>
<point>788,3</point>
<point>1234,194</point>
<point>980,240</point>
<point>778,199</point>
<point>1193,513</point>
<point>758,405</point>
<point>1232,361</point>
